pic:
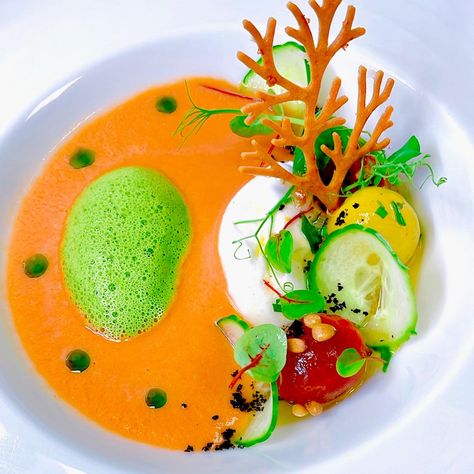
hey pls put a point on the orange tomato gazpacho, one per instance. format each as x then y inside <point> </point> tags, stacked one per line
<point>162,386</point>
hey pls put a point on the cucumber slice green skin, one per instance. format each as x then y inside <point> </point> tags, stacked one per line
<point>263,422</point>
<point>291,62</point>
<point>232,327</point>
<point>390,326</point>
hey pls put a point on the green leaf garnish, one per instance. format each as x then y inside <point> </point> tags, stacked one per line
<point>196,117</point>
<point>269,217</point>
<point>386,355</point>
<point>397,210</point>
<point>299,163</point>
<point>322,160</point>
<point>349,363</point>
<point>298,303</point>
<point>240,128</point>
<point>262,352</point>
<point>402,164</point>
<point>313,233</point>
<point>279,250</point>
<point>381,211</point>
<point>411,149</point>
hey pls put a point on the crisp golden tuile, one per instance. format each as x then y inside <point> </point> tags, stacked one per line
<point>319,52</point>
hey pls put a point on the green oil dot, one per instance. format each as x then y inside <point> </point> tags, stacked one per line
<point>166,105</point>
<point>78,360</point>
<point>35,266</point>
<point>156,398</point>
<point>82,158</point>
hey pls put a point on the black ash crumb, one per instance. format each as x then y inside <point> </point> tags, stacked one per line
<point>239,402</point>
<point>189,449</point>
<point>227,443</point>
<point>341,218</point>
<point>339,287</point>
<point>355,205</point>
<point>282,206</point>
<point>215,417</point>
<point>338,306</point>
<point>208,446</point>
<point>184,405</point>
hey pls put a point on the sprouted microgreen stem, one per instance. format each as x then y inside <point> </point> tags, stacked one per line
<point>195,118</point>
<point>269,217</point>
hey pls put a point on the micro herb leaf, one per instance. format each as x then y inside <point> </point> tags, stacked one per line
<point>386,355</point>
<point>262,350</point>
<point>327,139</point>
<point>298,303</point>
<point>299,163</point>
<point>401,164</point>
<point>397,207</point>
<point>195,118</point>
<point>381,211</point>
<point>240,128</point>
<point>349,363</point>
<point>269,216</point>
<point>312,233</point>
<point>322,160</point>
<point>279,251</point>
<point>411,149</point>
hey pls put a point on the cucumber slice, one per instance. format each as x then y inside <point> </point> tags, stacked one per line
<point>292,62</point>
<point>263,422</point>
<point>232,327</point>
<point>363,280</point>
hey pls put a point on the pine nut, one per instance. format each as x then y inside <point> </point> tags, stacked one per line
<point>311,320</point>
<point>322,332</point>
<point>299,410</point>
<point>314,408</point>
<point>296,345</point>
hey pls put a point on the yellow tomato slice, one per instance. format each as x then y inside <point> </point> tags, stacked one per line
<point>385,211</point>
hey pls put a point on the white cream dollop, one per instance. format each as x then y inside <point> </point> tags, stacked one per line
<point>244,265</point>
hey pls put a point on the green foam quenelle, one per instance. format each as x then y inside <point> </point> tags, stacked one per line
<point>124,241</point>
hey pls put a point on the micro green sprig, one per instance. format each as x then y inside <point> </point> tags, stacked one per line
<point>269,217</point>
<point>402,164</point>
<point>195,118</point>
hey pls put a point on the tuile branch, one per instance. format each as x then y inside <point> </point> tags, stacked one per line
<point>319,53</point>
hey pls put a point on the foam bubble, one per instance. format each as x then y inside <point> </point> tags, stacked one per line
<point>124,240</point>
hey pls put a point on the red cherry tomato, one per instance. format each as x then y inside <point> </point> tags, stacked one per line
<point>311,375</point>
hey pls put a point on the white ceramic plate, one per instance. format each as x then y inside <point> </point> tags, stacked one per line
<point>418,416</point>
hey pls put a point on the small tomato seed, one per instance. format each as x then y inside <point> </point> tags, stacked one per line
<point>296,345</point>
<point>311,320</point>
<point>299,410</point>
<point>322,332</point>
<point>314,408</point>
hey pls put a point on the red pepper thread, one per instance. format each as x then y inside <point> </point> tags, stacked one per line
<point>293,219</point>
<point>281,295</point>
<point>226,92</point>
<point>254,361</point>
<point>270,149</point>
